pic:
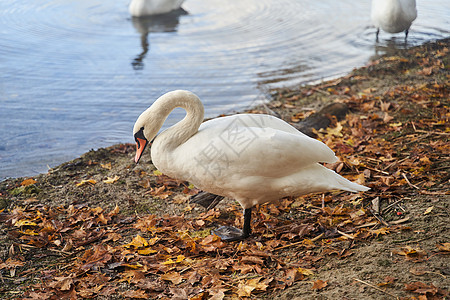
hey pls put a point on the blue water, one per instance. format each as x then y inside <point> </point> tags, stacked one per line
<point>75,74</point>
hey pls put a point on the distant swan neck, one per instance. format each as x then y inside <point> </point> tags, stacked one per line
<point>188,126</point>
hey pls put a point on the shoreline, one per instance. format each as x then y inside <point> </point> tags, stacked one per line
<point>394,140</point>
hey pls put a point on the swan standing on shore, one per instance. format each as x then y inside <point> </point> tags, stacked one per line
<point>252,158</point>
<point>393,16</point>
<point>140,8</point>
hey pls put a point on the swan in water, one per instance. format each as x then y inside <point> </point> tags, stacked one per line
<point>253,158</point>
<point>393,16</point>
<point>140,8</point>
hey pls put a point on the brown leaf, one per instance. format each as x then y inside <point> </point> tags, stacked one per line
<point>139,294</point>
<point>219,295</point>
<point>444,247</point>
<point>292,275</point>
<point>62,283</point>
<point>252,259</point>
<point>410,253</point>
<point>245,290</point>
<point>173,277</point>
<point>418,271</point>
<point>319,284</point>
<point>421,288</point>
<point>388,280</point>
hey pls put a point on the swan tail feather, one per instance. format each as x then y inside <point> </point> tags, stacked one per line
<point>347,185</point>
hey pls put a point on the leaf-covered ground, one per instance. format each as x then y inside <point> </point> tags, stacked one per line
<point>100,227</point>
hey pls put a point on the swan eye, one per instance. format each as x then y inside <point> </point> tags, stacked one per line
<point>139,135</point>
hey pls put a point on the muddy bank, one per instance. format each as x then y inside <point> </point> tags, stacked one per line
<point>392,241</point>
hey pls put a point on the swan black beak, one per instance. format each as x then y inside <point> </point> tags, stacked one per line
<point>141,143</point>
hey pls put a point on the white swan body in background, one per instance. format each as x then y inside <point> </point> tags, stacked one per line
<point>393,16</point>
<point>252,158</point>
<point>140,8</point>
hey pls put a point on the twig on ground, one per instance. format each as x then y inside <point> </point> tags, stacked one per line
<point>386,209</point>
<point>297,243</point>
<point>379,218</point>
<point>429,132</point>
<point>375,287</point>
<point>409,183</point>
<point>345,234</point>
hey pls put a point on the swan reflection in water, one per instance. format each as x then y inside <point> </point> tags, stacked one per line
<point>156,23</point>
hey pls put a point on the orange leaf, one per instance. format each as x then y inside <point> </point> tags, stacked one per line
<point>319,284</point>
<point>28,182</point>
<point>382,231</point>
<point>444,247</point>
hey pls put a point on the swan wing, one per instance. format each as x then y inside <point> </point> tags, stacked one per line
<point>251,120</point>
<point>238,148</point>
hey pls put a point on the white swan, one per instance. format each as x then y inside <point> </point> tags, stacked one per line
<point>252,158</point>
<point>393,16</point>
<point>140,8</point>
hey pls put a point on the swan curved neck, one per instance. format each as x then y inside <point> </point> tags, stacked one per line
<point>188,126</point>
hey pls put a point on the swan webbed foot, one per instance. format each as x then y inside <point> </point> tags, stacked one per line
<point>230,234</point>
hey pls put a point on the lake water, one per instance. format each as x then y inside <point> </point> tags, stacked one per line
<point>75,74</point>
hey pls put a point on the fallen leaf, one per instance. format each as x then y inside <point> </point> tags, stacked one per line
<point>382,231</point>
<point>388,280</point>
<point>106,166</point>
<point>244,290</point>
<point>28,181</point>
<point>335,131</point>
<point>111,179</point>
<point>21,223</point>
<point>139,294</point>
<point>421,288</point>
<point>417,271</point>
<point>169,261</point>
<point>410,253</point>
<point>306,272</point>
<point>137,242</point>
<point>173,277</point>
<point>252,259</point>
<point>428,210</point>
<point>88,182</point>
<point>444,247</point>
<point>319,284</point>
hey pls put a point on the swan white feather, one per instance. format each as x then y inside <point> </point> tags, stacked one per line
<point>252,158</point>
<point>393,16</point>
<point>140,8</point>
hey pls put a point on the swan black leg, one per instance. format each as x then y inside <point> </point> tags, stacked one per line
<point>376,35</point>
<point>247,230</point>
<point>229,233</point>
<point>406,34</point>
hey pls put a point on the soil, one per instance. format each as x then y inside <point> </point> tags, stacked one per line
<point>375,269</point>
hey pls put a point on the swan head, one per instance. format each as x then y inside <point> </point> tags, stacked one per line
<point>145,129</point>
<point>151,120</point>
